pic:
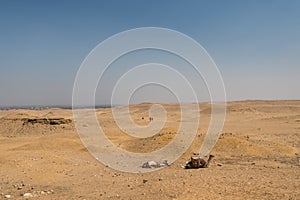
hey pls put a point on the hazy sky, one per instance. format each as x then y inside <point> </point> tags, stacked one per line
<point>255,44</point>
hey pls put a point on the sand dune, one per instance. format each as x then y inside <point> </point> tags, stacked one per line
<point>256,157</point>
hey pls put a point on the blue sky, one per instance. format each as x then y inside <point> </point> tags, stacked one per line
<point>256,44</point>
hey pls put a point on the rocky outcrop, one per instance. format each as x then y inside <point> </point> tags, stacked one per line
<point>50,121</point>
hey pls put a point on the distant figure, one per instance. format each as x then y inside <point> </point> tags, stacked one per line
<point>150,119</point>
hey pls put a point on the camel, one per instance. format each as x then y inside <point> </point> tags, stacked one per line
<point>198,162</point>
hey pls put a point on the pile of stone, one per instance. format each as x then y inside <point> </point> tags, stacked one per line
<point>153,164</point>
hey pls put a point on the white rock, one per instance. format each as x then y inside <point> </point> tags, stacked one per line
<point>153,164</point>
<point>150,164</point>
<point>7,196</point>
<point>27,195</point>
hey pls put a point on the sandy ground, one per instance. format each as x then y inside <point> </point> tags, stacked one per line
<point>256,157</point>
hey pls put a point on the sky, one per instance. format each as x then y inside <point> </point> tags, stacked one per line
<point>254,43</point>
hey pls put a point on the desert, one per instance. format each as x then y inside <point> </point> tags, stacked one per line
<point>256,156</point>
<point>144,100</point>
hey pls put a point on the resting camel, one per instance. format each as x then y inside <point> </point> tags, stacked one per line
<point>197,162</point>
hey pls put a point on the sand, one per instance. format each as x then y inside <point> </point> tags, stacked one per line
<point>256,157</point>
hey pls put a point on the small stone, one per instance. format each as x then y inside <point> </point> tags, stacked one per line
<point>150,164</point>
<point>27,195</point>
<point>145,180</point>
<point>7,196</point>
<point>220,164</point>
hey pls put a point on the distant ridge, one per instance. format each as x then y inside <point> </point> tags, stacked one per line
<point>52,106</point>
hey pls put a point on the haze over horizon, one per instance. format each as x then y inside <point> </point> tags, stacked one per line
<point>255,45</point>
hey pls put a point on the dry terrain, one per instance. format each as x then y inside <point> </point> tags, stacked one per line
<point>256,157</point>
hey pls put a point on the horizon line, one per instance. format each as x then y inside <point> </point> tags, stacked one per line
<point>64,106</point>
